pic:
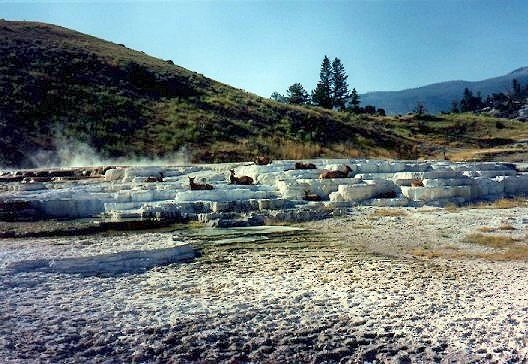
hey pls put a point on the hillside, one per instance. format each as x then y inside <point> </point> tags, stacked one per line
<point>61,87</point>
<point>439,96</point>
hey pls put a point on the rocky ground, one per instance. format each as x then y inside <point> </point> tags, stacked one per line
<point>397,286</point>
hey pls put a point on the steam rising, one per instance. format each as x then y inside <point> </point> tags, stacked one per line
<point>76,154</point>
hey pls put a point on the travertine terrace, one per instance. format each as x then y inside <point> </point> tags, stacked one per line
<point>277,193</point>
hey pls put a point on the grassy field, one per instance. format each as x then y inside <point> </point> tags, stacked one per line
<point>62,86</point>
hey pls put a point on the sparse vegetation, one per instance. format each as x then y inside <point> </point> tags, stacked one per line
<point>446,252</point>
<point>361,226</point>
<point>451,207</point>
<point>486,229</point>
<point>503,248</point>
<point>493,241</point>
<point>508,248</point>
<point>513,253</point>
<point>498,246</point>
<point>503,203</point>
<point>387,213</point>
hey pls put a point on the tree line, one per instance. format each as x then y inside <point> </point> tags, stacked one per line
<point>331,92</point>
<point>503,102</point>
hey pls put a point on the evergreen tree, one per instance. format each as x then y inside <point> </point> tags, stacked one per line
<point>354,101</point>
<point>339,85</point>
<point>370,109</point>
<point>454,107</point>
<point>296,94</point>
<point>278,97</point>
<point>516,86</point>
<point>322,95</point>
<point>420,108</point>
<point>470,102</point>
<point>466,98</point>
<point>489,101</point>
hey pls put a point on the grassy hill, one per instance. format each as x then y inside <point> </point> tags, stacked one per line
<point>60,86</point>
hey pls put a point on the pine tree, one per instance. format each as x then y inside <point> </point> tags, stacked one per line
<point>354,101</point>
<point>296,94</point>
<point>454,107</point>
<point>339,84</point>
<point>278,97</point>
<point>465,103</point>
<point>322,95</point>
<point>420,108</point>
<point>516,87</point>
<point>470,102</point>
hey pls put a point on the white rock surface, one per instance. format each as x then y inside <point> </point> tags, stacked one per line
<point>343,290</point>
<point>134,261</point>
<point>114,174</point>
<point>124,192</point>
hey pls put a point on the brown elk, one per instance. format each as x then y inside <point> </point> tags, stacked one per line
<point>151,179</point>
<point>417,183</point>
<point>199,186</point>
<point>311,196</point>
<point>301,165</point>
<point>336,174</point>
<point>243,180</point>
<point>154,178</point>
<point>262,161</point>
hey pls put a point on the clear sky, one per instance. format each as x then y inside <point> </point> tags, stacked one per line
<point>263,46</point>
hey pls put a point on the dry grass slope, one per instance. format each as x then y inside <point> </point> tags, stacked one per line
<point>61,85</point>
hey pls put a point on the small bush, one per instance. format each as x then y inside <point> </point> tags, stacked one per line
<point>387,213</point>
<point>513,253</point>
<point>486,229</point>
<point>492,241</point>
<point>505,203</point>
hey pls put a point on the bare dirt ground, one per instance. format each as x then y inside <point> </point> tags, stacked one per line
<point>399,286</point>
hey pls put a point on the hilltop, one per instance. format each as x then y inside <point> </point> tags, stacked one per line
<point>438,97</point>
<point>61,86</point>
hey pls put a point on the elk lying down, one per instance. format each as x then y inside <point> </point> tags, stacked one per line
<point>151,179</point>
<point>262,161</point>
<point>417,183</point>
<point>311,196</point>
<point>301,165</point>
<point>335,174</point>
<point>199,186</point>
<point>242,180</point>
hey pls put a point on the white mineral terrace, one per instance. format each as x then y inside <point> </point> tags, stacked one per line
<point>277,193</point>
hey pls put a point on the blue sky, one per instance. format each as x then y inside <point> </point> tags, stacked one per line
<point>263,46</point>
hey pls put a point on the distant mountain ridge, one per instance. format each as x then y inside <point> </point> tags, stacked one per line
<point>438,97</point>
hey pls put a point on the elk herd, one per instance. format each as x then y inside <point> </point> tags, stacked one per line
<point>262,161</point>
